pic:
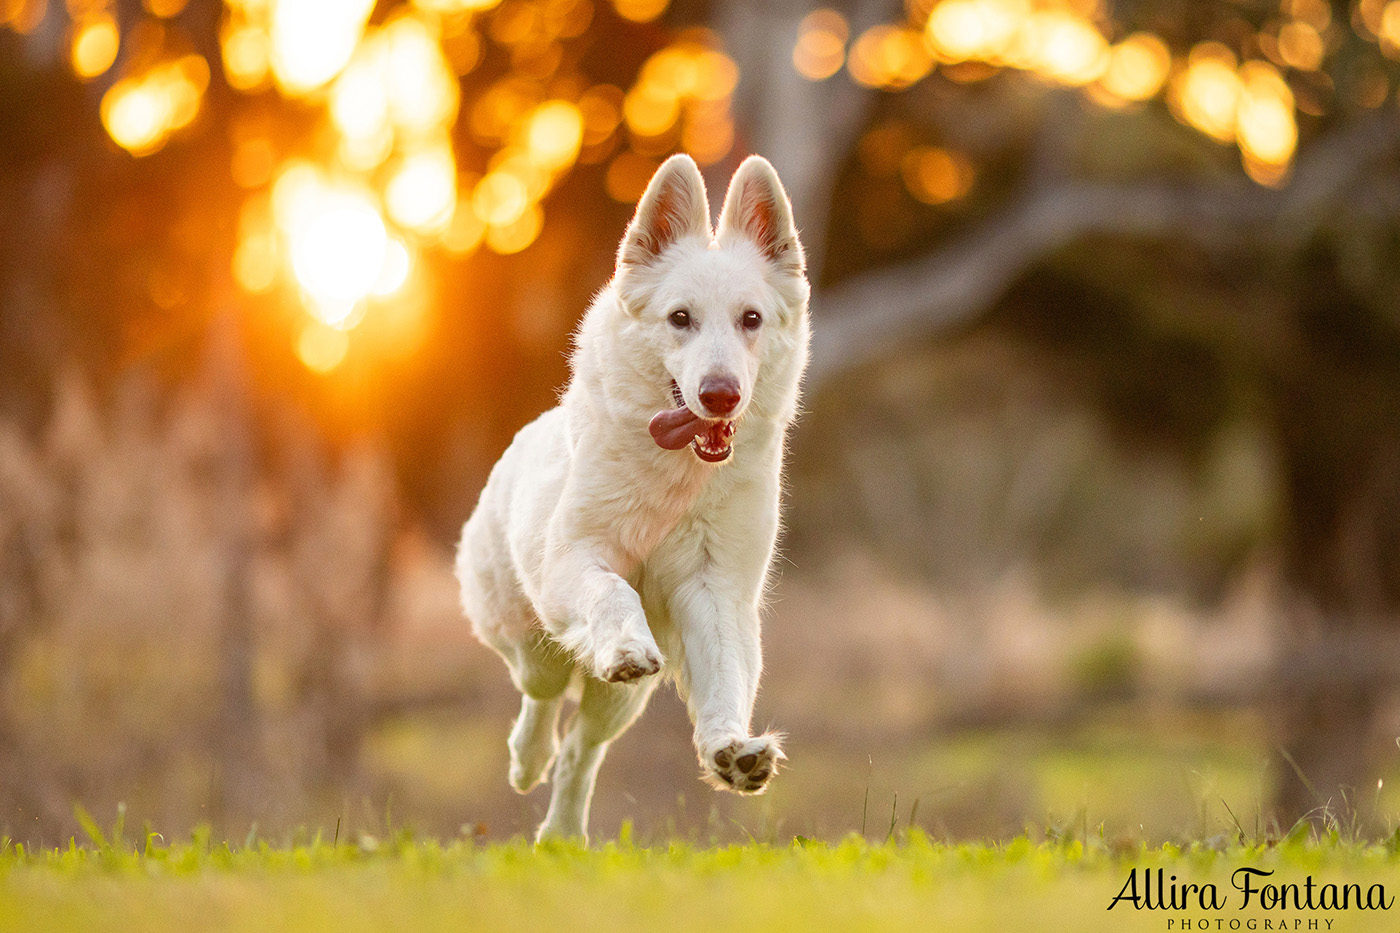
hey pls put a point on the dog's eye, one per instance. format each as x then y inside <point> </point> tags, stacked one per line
<point>679,318</point>
<point>751,320</point>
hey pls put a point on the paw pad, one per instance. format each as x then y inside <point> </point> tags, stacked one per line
<point>631,663</point>
<point>744,765</point>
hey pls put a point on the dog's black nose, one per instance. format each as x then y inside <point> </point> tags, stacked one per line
<point>719,394</point>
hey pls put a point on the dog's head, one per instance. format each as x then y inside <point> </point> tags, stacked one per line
<point>717,303</point>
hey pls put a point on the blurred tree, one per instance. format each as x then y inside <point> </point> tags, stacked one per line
<point>1023,157</point>
<point>1190,209</point>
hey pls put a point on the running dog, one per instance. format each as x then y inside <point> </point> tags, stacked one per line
<point>626,534</point>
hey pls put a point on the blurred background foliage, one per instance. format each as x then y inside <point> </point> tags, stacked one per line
<point>1093,515</point>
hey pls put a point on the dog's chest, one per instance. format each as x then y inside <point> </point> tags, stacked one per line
<point>656,508</point>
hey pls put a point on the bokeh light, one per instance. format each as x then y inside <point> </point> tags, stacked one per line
<point>141,112</point>
<point>1063,42</point>
<point>1137,67</point>
<point>246,53</point>
<point>500,198</point>
<point>1300,45</point>
<point>466,231</point>
<point>1065,48</point>
<point>165,9</point>
<point>312,40</point>
<point>321,347</point>
<point>821,45</point>
<point>449,7</point>
<point>359,101</point>
<point>936,176</point>
<point>95,45</point>
<point>682,94</point>
<point>1388,29</point>
<point>422,193</point>
<point>336,240</point>
<point>1266,128</point>
<point>553,134</point>
<point>136,115</point>
<point>1207,91</point>
<point>983,30</point>
<point>889,57</point>
<point>398,263</point>
<point>640,11</point>
<point>423,90</point>
<point>514,236</point>
<point>255,262</point>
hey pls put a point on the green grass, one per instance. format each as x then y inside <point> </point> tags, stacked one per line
<point>913,883</point>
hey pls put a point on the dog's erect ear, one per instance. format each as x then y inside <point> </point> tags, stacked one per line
<point>674,206</point>
<point>757,207</point>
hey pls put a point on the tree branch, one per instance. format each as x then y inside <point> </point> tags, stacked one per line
<point>805,128</point>
<point>861,319</point>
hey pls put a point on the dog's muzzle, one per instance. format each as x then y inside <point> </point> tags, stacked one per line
<point>674,428</point>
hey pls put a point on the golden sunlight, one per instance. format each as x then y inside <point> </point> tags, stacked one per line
<point>553,134</point>
<point>650,110</point>
<point>422,193</point>
<point>640,11</point>
<point>321,347</point>
<point>1137,67</point>
<point>359,100</point>
<point>336,239</point>
<point>1065,48</point>
<point>255,262</point>
<point>347,230</point>
<point>1267,131</point>
<point>1300,45</point>
<point>936,176</point>
<point>165,9</point>
<point>141,112</point>
<point>423,90</point>
<point>398,263</point>
<point>449,7</point>
<point>1207,92</point>
<point>136,116</point>
<point>95,45</point>
<point>519,233</point>
<point>821,45</point>
<point>500,198</point>
<point>312,40</point>
<point>963,30</point>
<point>889,57</point>
<point>246,53</point>
<point>466,231</point>
<point>682,89</point>
<point>1389,29</point>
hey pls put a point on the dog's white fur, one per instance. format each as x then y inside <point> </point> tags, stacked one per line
<point>594,555</point>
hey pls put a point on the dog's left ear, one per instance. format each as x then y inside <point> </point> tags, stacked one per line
<point>757,207</point>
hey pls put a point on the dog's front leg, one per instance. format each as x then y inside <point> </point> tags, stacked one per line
<point>723,660</point>
<point>594,613</point>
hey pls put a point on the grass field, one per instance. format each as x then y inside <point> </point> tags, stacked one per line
<point>912,883</point>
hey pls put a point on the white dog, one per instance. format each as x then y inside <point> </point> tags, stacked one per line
<point>628,531</point>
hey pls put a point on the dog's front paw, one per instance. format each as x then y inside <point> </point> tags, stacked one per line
<point>744,765</point>
<point>629,662</point>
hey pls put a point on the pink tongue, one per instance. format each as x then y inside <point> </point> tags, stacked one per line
<point>675,427</point>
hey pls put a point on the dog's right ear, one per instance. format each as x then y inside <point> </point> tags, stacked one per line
<point>673,207</point>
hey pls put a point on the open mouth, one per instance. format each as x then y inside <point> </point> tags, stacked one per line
<point>675,428</point>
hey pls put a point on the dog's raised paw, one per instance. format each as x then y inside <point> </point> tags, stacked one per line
<point>630,664</point>
<point>744,765</point>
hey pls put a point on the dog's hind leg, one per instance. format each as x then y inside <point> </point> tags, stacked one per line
<point>541,671</point>
<point>604,713</point>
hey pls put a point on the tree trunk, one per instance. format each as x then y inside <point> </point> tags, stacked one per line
<point>235,741</point>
